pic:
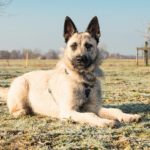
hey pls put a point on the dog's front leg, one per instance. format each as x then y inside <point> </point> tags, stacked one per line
<point>116,114</point>
<point>89,118</point>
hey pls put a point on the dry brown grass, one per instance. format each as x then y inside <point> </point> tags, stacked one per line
<point>125,86</point>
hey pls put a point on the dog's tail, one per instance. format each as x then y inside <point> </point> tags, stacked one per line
<point>3,92</point>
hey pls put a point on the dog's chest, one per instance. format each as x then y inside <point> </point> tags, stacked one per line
<point>82,95</point>
<point>87,89</point>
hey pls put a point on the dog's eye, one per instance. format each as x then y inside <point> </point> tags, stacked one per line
<point>88,46</point>
<point>74,46</point>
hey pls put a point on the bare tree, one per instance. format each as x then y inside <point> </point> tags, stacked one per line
<point>3,5</point>
<point>24,51</point>
<point>4,54</point>
<point>52,54</point>
<point>37,51</point>
<point>112,56</point>
<point>117,56</point>
<point>103,49</point>
<point>15,54</point>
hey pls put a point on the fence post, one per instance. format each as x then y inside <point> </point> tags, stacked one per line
<point>136,56</point>
<point>145,55</point>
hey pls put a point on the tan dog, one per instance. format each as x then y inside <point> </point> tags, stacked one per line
<point>72,89</point>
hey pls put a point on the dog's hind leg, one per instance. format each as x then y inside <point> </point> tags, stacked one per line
<point>17,97</point>
<point>117,114</point>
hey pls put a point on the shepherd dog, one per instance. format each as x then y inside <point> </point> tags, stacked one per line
<point>72,89</point>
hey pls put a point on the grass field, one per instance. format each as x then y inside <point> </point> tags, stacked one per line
<point>125,86</point>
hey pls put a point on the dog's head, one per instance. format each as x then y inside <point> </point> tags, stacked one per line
<point>81,48</point>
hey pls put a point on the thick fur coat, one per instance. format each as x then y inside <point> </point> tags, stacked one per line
<point>72,89</point>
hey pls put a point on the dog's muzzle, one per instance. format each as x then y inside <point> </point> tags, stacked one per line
<point>81,62</point>
<point>82,59</point>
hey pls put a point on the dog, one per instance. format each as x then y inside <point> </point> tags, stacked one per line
<point>72,89</point>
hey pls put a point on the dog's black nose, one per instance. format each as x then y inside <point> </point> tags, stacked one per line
<point>81,58</point>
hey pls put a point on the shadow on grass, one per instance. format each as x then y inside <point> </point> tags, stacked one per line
<point>131,108</point>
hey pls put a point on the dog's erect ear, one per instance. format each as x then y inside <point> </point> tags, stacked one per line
<point>69,29</point>
<point>93,29</point>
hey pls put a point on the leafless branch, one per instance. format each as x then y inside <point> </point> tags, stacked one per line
<point>143,25</point>
<point>3,5</point>
<point>140,31</point>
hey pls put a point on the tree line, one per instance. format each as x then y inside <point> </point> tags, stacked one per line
<point>32,54</point>
<point>107,55</point>
<point>55,54</point>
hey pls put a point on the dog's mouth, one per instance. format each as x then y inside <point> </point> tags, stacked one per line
<point>81,63</point>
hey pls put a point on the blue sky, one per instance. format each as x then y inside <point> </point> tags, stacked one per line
<point>39,23</point>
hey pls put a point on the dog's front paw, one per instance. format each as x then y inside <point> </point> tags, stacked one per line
<point>107,123</point>
<point>20,113</point>
<point>127,118</point>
